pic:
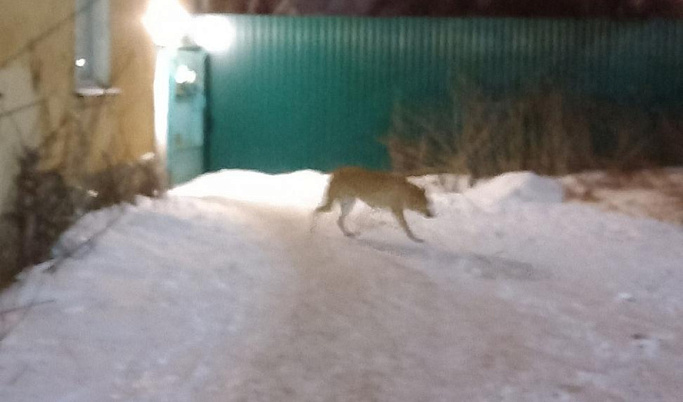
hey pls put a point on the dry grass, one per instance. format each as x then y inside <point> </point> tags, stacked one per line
<point>653,193</point>
<point>124,181</point>
<point>489,137</point>
<point>543,132</point>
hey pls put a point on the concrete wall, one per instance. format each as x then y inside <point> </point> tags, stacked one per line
<point>35,67</point>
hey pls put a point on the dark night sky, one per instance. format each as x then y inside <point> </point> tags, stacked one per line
<point>516,8</point>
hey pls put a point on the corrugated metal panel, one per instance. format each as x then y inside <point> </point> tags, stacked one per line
<point>317,92</point>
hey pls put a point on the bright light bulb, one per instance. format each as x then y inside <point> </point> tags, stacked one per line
<point>214,33</point>
<point>167,22</point>
<point>184,75</point>
<point>80,63</point>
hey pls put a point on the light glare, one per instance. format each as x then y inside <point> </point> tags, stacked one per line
<point>184,75</point>
<point>213,33</point>
<point>167,22</point>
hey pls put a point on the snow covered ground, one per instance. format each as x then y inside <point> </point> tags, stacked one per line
<point>220,292</point>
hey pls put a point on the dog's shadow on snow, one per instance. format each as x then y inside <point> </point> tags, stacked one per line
<point>493,267</point>
<point>482,266</point>
<point>403,249</point>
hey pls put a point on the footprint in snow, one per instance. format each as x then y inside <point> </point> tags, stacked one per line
<point>649,347</point>
<point>490,267</point>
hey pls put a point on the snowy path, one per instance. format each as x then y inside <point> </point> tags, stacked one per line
<point>370,323</point>
<point>218,299</point>
<point>349,326</point>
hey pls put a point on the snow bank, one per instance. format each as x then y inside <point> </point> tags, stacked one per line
<point>306,187</point>
<point>515,187</point>
<point>294,189</point>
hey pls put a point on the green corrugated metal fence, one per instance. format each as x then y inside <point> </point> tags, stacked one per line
<point>317,92</point>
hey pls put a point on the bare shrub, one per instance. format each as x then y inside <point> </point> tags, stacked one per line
<point>544,131</point>
<point>44,207</point>
<point>46,204</point>
<point>122,182</point>
<point>9,240</point>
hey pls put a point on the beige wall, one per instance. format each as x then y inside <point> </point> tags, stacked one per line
<point>120,126</point>
<point>133,60</point>
<point>17,130</point>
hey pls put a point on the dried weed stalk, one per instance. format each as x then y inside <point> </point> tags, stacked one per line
<point>542,132</point>
<point>46,204</point>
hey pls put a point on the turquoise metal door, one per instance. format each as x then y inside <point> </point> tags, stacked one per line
<point>186,115</point>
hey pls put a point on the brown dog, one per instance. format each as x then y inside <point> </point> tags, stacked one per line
<point>378,190</point>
